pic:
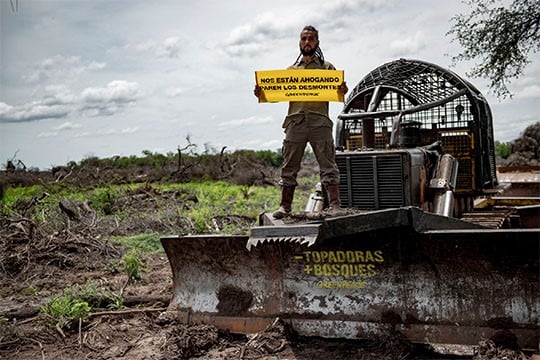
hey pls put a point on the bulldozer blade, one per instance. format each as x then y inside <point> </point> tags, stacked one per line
<point>453,286</point>
<point>272,230</point>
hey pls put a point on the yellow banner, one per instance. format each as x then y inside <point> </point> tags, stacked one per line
<point>300,85</point>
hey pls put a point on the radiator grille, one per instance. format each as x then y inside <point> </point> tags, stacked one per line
<point>371,182</point>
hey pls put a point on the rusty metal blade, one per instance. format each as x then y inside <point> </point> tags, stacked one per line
<point>440,286</point>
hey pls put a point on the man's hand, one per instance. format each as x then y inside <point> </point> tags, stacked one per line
<point>343,88</point>
<point>257,91</point>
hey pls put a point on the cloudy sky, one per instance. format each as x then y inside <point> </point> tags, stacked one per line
<point>116,77</point>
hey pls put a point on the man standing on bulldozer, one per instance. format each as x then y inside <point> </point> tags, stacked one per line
<point>309,122</point>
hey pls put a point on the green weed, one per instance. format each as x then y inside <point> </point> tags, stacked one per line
<point>30,290</point>
<point>114,301</point>
<point>62,311</point>
<point>144,243</point>
<point>76,302</point>
<point>103,199</point>
<point>113,267</point>
<point>133,265</point>
<point>88,292</point>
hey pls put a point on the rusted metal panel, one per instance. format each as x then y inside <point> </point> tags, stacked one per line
<point>438,287</point>
<point>232,324</point>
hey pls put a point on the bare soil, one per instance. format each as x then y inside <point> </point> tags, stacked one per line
<point>38,262</point>
<point>37,266</point>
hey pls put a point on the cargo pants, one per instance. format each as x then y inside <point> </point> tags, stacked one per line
<point>297,135</point>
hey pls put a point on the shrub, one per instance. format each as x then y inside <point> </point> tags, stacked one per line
<point>502,149</point>
<point>133,265</point>
<point>63,310</point>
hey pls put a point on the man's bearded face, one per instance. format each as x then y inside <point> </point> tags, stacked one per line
<point>308,43</point>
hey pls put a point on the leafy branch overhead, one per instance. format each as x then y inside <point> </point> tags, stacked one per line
<point>499,38</point>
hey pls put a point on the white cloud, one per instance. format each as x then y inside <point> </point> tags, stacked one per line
<point>58,94</point>
<point>35,110</point>
<point>262,144</point>
<point>174,92</point>
<point>250,38</point>
<point>130,130</point>
<point>59,102</point>
<point>111,132</point>
<point>108,100</point>
<point>269,29</point>
<point>272,144</point>
<point>68,126</point>
<point>83,135</point>
<point>531,91</point>
<point>170,47</point>
<point>47,134</point>
<point>5,108</point>
<point>252,120</point>
<point>408,45</point>
<point>61,68</point>
<point>117,91</point>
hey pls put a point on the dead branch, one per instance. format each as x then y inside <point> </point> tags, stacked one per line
<point>124,312</point>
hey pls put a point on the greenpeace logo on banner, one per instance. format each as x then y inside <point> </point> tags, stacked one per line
<point>300,85</point>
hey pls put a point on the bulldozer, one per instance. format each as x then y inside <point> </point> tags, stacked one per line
<point>431,246</point>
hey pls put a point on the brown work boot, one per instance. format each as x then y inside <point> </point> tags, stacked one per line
<point>334,208</point>
<point>285,207</point>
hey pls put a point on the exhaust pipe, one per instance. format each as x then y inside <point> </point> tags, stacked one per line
<point>316,201</point>
<point>444,184</point>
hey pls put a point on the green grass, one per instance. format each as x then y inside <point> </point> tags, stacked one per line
<point>145,243</point>
<point>224,198</point>
<point>217,197</point>
<point>215,200</point>
<point>13,194</point>
<point>221,198</point>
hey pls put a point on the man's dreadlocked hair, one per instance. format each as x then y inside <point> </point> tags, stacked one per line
<point>312,29</point>
<point>318,52</point>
